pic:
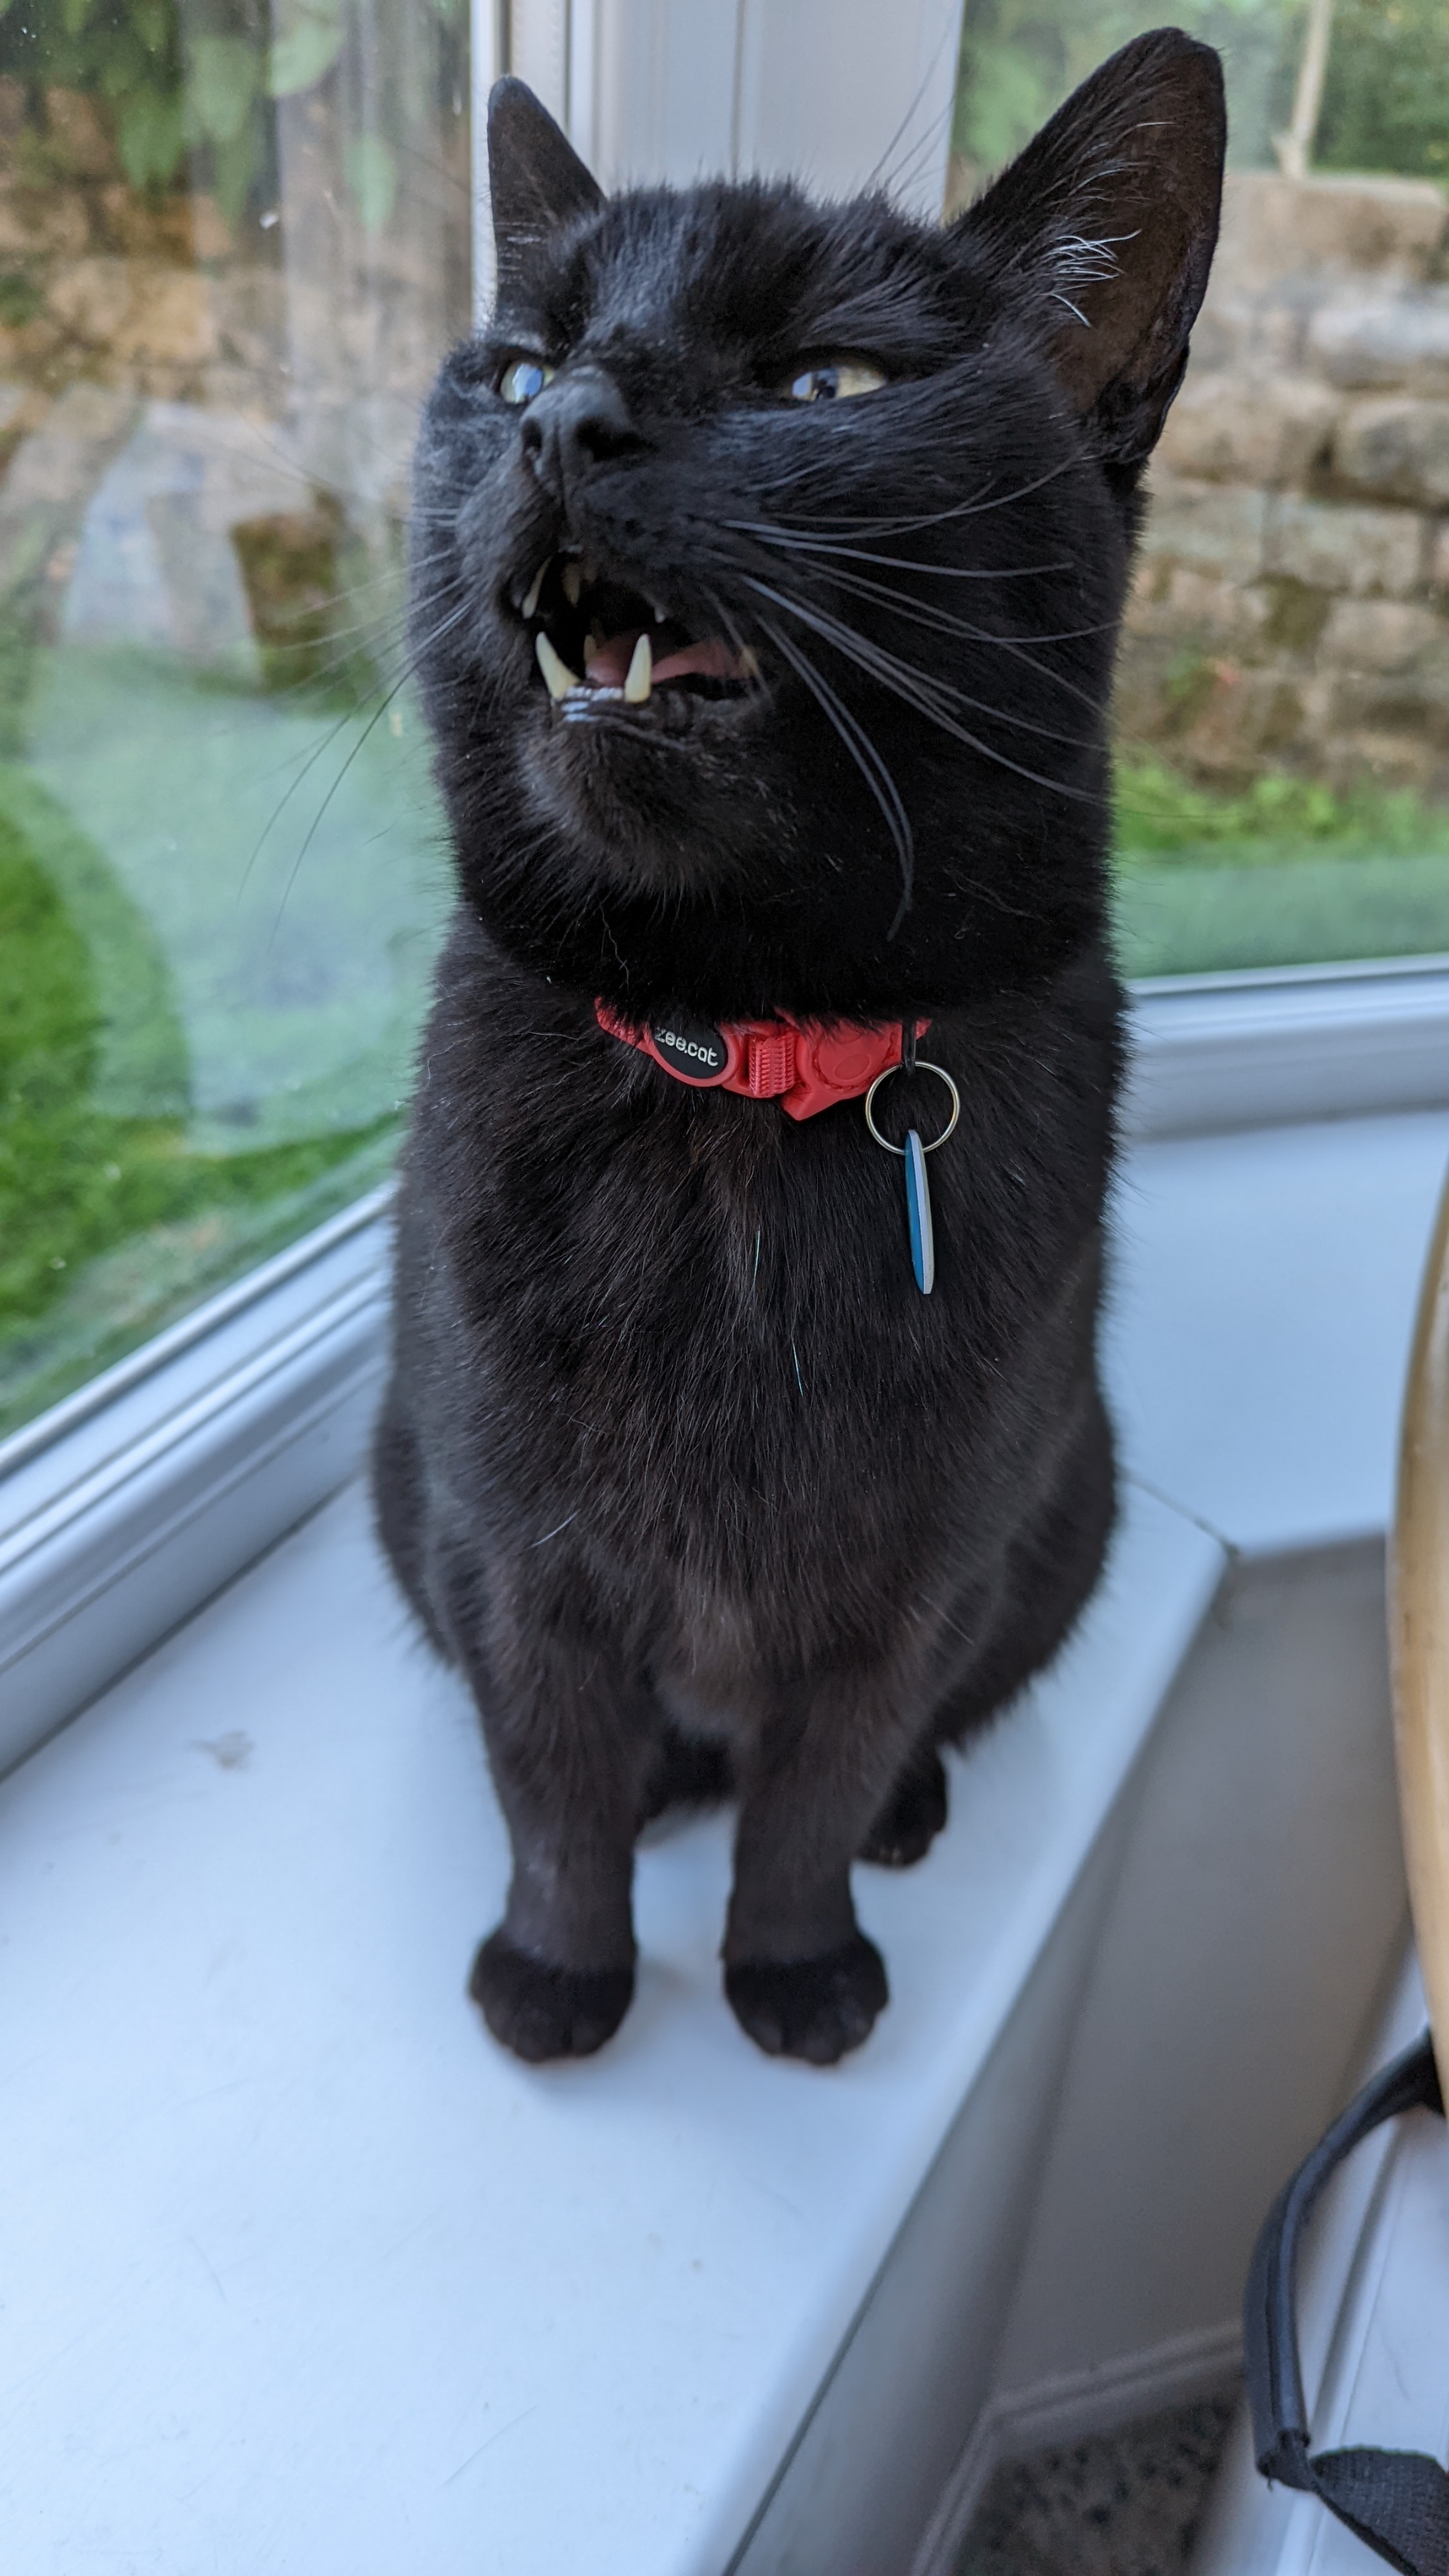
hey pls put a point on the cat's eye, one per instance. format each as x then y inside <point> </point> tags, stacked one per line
<point>522,378</point>
<point>834,382</point>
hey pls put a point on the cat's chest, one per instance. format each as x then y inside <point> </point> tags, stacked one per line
<point>732,1316</point>
<point>732,1359</point>
<point>719,1246</point>
<point>643,1269</point>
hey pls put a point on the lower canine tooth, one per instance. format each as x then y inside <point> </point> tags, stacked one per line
<point>535,586</point>
<point>555,669</point>
<point>748,663</point>
<point>641,673</point>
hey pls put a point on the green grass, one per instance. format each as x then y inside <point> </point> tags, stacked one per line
<point>1163,819</point>
<point>288,860</point>
<point>1286,873</point>
<point>214,956</point>
<point>218,909</point>
<point>86,1189</point>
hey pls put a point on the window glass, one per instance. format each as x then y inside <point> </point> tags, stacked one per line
<point>234,240</point>
<point>1283,706</point>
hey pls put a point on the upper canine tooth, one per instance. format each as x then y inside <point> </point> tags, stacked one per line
<point>535,586</point>
<point>749,662</point>
<point>555,669</point>
<point>641,673</point>
<point>573,582</point>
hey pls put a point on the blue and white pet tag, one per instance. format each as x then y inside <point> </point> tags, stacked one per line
<point>913,1154</point>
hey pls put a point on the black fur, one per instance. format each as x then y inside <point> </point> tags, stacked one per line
<point>676,1464</point>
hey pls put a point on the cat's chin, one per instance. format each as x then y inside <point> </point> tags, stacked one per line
<point>664,797</point>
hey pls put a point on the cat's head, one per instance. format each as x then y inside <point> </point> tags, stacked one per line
<point>769,556</point>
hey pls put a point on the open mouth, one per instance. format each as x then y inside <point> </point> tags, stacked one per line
<point>597,643</point>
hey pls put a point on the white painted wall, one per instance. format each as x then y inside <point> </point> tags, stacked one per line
<point>1240,1969</point>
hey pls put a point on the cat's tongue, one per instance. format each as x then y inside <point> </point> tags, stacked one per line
<point>608,668</point>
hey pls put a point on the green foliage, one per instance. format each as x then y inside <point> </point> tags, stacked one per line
<point>20,297</point>
<point>150,135</point>
<point>1019,58</point>
<point>371,167</point>
<point>140,1063</point>
<point>307,46</point>
<point>200,80</point>
<point>1164,821</point>
<point>223,82</point>
<point>1385,100</point>
<point>128,55</point>
<point>1285,874</point>
<point>1386,96</point>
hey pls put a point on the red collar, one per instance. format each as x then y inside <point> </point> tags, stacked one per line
<point>797,1062</point>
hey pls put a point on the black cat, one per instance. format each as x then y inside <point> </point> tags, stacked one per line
<point>768,565</point>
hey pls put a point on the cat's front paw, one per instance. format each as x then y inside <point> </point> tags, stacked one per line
<point>911,1818</point>
<point>541,2012</point>
<point>810,2008</point>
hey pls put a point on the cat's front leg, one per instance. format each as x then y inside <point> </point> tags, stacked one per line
<point>801,1976</point>
<point>570,1735</point>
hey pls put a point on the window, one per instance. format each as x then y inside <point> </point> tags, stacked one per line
<point>235,236</point>
<point>1283,708</point>
<point>234,240</point>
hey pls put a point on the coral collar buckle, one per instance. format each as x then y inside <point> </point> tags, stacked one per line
<point>803,1066</point>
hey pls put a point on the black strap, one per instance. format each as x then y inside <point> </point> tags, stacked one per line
<point>1396,2501</point>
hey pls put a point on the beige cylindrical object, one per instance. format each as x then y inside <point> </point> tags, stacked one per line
<point>1419,1631</point>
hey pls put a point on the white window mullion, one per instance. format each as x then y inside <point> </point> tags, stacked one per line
<point>489,45</point>
<point>554,46</point>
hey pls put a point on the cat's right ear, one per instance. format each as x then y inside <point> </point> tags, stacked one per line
<point>1109,219</point>
<point>535,177</point>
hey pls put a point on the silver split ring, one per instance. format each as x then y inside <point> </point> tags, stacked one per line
<point>921,1066</point>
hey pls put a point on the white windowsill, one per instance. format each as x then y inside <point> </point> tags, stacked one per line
<point>147,1491</point>
<point>308,2277</point>
<point>1262,1048</point>
<point>305,2273</point>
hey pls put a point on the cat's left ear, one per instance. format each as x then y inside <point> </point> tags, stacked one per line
<point>1110,216</point>
<point>535,177</point>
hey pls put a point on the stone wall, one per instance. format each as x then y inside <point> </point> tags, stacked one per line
<point>159,293</point>
<point>102,283</point>
<point>206,427</point>
<point>1291,609</point>
<point>167,379</point>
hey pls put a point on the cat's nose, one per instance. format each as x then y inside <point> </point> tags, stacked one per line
<point>579,420</point>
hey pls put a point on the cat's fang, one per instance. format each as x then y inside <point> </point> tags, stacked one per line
<point>640,681</point>
<point>530,602</point>
<point>573,582</point>
<point>556,672</point>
